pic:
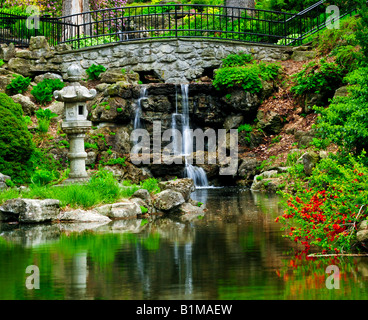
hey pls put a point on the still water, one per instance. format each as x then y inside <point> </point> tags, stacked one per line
<point>235,251</point>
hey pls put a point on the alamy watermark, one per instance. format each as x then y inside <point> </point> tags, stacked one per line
<point>173,152</point>
<point>333,22</point>
<point>33,280</point>
<point>333,281</point>
<point>33,21</point>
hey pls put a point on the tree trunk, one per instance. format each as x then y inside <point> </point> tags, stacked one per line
<point>71,7</point>
<point>240,4</point>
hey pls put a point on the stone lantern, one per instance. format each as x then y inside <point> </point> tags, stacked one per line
<point>75,123</point>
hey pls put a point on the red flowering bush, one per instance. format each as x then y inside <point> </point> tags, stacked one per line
<point>326,214</point>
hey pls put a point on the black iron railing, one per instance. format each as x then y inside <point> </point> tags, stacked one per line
<point>19,29</point>
<point>171,21</point>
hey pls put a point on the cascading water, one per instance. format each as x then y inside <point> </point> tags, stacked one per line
<point>196,173</point>
<point>138,110</point>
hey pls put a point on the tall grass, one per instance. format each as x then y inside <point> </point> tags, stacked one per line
<point>102,188</point>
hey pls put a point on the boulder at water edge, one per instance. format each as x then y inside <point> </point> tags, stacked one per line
<point>30,210</point>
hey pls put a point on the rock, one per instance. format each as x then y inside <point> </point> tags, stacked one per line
<point>184,186</point>
<point>30,210</point>
<point>270,122</point>
<point>83,216</point>
<point>102,87</point>
<point>21,66</point>
<point>314,99</point>
<point>188,208</point>
<point>242,101</point>
<point>5,80</point>
<point>362,235</point>
<point>143,194</point>
<point>3,184</point>
<point>168,200</point>
<point>363,225</point>
<point>113,76</point>
<point>48,75</point>
<point>91,158</point>
<point>39,42</point>
<point>309,160</point>
<point>341,92</point>
<point>303,55</point>
<point>7,51</point>
<point>266,181</point>
<point>304,138</point>
<point>118,210</point>
<point>28,106</point>
<point>58,108</point>
<point>248,168</point>
<point>233,121</point>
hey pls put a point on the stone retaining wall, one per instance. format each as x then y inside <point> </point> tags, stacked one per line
<point>171,60</point>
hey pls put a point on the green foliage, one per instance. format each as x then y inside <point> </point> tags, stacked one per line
<point>151,185</point>
<point>88,42</point>
<point>1,63</point>
<point>317,77</point>
<point>143,209</point>
<point>43,177</point>
<point>43,91</point>
<point>320,143</point>
<point>123,71</point>
<point>91,145</point>
<point>245,127</point>
<point>362,30</point>
<point>19,84</point>
<point>94,71</point>
<point>239,70</point>
<point>44,117</point>
<point>117,161</point>
<point>16,146</point>
<point>288,39</point>
<point>236,60</point>
<point>344,122</point>
<point>247,77</point>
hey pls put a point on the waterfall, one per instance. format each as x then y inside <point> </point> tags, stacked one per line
<point>196,173</point>
<point>138,110</point>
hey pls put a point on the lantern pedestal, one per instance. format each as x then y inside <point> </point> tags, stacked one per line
<point>76,132</point>
<point>76,124</point>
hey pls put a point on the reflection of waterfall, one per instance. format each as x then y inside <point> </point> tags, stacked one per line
<point>80,273</point>
<point>141,270</point>
<point>197,174</point>
<point>138,110</point>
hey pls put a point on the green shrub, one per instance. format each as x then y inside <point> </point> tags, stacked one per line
<point>44,117</point>
<point>94,71</point>
<point>245,127</point>
<point>318,77</point>
<point>344,122</point>
<point>1,63</point>
<point>43,92</point>
<point>151,185</point>
<point>19,84</point>
<point>246,77</point>
<point>16,146</point>
<point>236,60</point>
<point>249,76</point>
<point>43,177</point>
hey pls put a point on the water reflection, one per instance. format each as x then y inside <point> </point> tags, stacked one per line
<point>235,251</point>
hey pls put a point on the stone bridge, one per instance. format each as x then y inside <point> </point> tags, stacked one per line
<point>170,60</point>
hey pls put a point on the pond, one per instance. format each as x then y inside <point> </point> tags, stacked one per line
<point>235,251</point>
